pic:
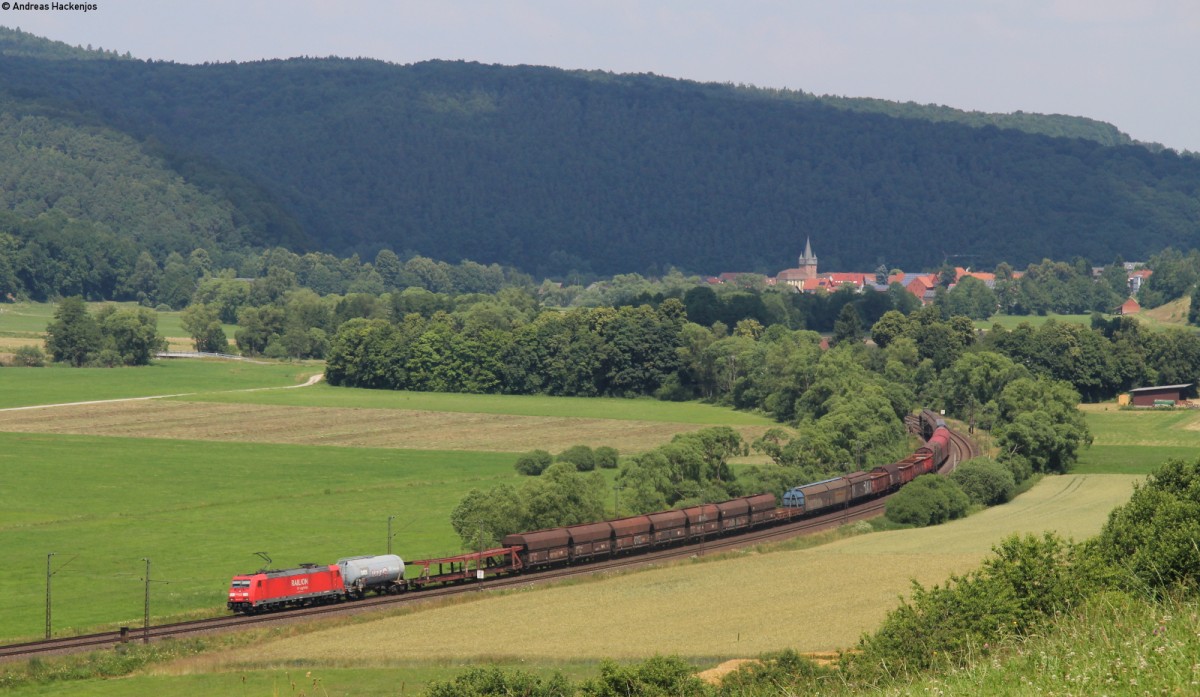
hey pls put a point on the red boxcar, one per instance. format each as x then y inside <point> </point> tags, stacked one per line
<point>310,584</point>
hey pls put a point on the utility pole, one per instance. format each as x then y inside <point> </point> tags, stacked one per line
<point>389,544</point>
<point>146,610</point>
<point>48,576</point>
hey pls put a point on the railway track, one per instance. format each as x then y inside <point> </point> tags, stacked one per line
<point>962,449</point>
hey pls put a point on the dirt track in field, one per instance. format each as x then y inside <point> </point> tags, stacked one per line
<point>371,428</point>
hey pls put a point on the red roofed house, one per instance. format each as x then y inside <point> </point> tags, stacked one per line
<point>1128,307</point>
<point>1137,278</point>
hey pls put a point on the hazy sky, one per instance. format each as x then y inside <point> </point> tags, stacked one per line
<point>1133,63</point>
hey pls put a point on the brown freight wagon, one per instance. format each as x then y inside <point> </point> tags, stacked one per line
<point>827,494</point>
<point>668,526</point>
<point>590,540</point>
<point>703,520</point>
<point>631,533</point>
<point>735,514</point>
<point>762,508</point>
<point>542,547</point>
<point>860,485</point>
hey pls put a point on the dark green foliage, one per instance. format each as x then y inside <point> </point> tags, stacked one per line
<point>581,456</point>
<point>73,335</point>
<point>622,351</point>
<point>29,357</point>
<point>970,297</point>
<point>533,462</point>
<point>984,481</point>
<point>202,323</point>
<point>928,500</point>
<point>1174,275</point>
<point>1037,422</point>
<point>132,335</point>
<point>493,681</point>
<point>660,676</point>
<point>560,496</point>
<point>1024,585</point>
<point>606,457</point>
<point>309,154</point>
<point>848,326</point>
<point>483,518</point>
<point>692,468</point>
<point>1150,543</point>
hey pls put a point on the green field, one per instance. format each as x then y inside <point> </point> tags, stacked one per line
<point>28,320</point>
<point>1012,321</point>
<point>1137,441</point>
<point>57,384</point>
<point>644,409</point>
<point>199,511</point>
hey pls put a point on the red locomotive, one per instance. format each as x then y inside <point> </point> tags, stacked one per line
<point>311,584</point>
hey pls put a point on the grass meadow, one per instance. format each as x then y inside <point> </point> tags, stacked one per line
<point>25,323</point>
<point>1012,321</point>
<point>55,384</point>
<point>1136,441</point>
<point>643,409</point>
<point>199,511</point>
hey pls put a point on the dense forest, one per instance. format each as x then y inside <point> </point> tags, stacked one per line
<point>551,171</point>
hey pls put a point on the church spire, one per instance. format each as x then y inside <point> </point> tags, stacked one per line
<point>807,251</point>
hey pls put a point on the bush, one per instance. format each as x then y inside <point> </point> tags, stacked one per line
<point>1151,543</point>
<point>29,357</point>
<point>484,682</point>
<point>783,672</point>
<point>606,457</point>
<point>533,462</point>
<point>985,481</point>
<point>661,675</point>
<point>579,455</point>
<point>1025,584</point>
<point>928,500</point>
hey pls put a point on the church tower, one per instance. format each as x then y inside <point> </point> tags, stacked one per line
<point>808,262</point>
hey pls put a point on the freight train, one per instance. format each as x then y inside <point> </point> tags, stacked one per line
<point>353,577</point>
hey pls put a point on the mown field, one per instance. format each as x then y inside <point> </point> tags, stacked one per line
<point>1135,441</point>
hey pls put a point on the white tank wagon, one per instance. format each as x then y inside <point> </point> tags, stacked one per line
<point>382,573</point>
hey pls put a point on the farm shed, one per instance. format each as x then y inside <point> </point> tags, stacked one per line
<point>1153,396</point>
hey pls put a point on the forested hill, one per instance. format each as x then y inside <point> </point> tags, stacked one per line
<point>550,170</point>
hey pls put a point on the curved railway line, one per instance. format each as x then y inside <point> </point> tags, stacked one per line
<point>962,449</point>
